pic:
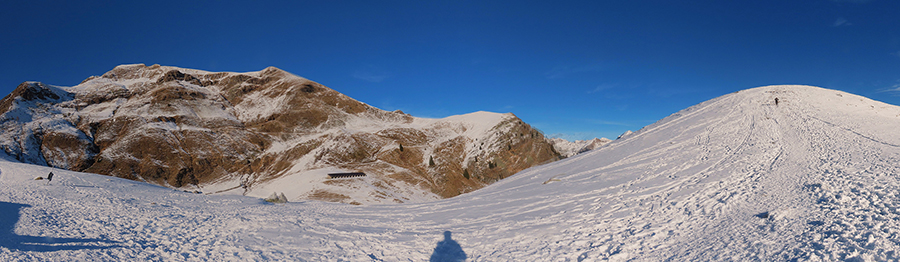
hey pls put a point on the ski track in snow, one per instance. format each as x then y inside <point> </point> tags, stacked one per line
<point>734,178</point>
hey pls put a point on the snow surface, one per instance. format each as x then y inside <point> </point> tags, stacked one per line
<point>734,178</point>
<point>568,148</point>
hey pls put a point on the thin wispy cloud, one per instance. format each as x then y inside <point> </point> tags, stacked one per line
<point>564,71</point>
<point>895,89</point>
<point>840,21</point>
<point>601,88</point>
<point>370,76</point>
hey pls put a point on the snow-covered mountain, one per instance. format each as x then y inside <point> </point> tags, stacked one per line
<point>736,178</point>
<point>568,148</point>
<point>259,133</point>
<point>625,134</point>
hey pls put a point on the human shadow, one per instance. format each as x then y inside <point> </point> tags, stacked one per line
<point>448,250</point>
<point>9,216</point>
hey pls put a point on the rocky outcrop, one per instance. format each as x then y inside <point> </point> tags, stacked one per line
<point>253,133</point>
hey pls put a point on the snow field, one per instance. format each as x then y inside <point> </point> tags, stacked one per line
<point>734,178</point>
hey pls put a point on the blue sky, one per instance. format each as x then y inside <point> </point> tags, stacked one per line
<point>573,69</point>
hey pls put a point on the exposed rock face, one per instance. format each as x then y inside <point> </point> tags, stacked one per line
<point>258,132</point>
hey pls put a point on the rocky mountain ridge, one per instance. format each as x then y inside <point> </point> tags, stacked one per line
<point>258,133</point>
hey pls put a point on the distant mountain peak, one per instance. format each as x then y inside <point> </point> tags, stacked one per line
<point>568,148</point>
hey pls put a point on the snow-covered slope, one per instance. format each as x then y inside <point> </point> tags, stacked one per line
<point>735,178</point>
<point>568,148</point>
<point>259,133</point>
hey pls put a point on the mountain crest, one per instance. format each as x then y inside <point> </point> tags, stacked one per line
<point>256,132</point>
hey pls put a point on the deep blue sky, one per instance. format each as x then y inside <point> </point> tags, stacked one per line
<point>575,69</point>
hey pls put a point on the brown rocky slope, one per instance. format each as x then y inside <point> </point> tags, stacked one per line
<point>257,133</point>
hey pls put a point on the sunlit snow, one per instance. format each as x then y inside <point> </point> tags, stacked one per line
<point>734,178</point>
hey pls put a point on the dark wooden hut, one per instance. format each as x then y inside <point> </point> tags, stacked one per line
<point>346,175</point>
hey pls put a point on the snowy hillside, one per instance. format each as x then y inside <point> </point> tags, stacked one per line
<point>736,178</point>
<point>259,133</point>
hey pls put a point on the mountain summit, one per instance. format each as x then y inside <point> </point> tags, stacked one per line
<point>257,133</point>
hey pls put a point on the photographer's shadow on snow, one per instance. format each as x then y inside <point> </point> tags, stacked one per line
<point>9,216</point>
<point>448,250</point>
